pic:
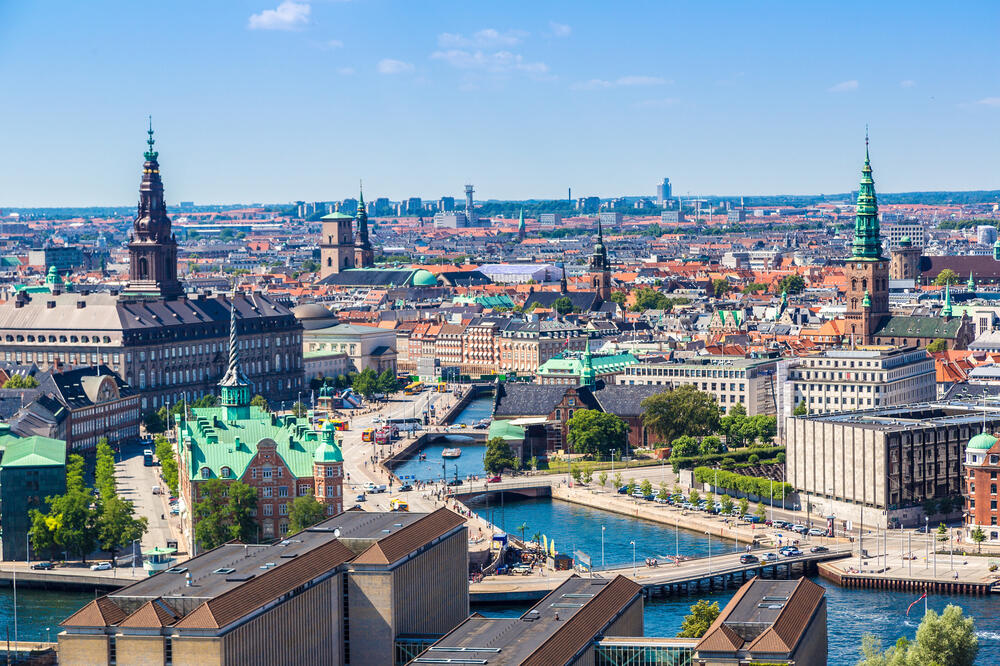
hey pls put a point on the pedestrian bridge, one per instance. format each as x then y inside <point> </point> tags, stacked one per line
<point>471,491</point>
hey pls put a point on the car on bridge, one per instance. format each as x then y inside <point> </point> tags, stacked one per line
<point>43,566</point>
<point>769,557</point>
<point>405,488</point>
<point>791,552</point>
<point>494,479</point>
<point>747,558</point>
<point>819,549</point>
<point>100,566</point>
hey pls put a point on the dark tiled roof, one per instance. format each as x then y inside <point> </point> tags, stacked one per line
<point>75,385</point>
<point>590,621</point>
<point>585,301</point>
<point>981,266</point>
<point>100,612</point>
<point>624,400</point>
<point>399,544</point>
<point>240,601</point>
<point>516,399</point>
<point>369,278</point>
<point>920,327</point>
<point>786,631</point>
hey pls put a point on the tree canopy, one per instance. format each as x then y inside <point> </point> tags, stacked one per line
<point>947,276</point>
<point>21,382</point>
<point>681,411</point>
<point>701,617</point>
<point>593,432</point>
<point>948,639</point>
<point>224,513</point>
<point>793,284</point>
<point>499,456</point>
<point>305,512</point>
<point>366,384</point>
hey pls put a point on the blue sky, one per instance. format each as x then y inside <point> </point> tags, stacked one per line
<point>268,101</point>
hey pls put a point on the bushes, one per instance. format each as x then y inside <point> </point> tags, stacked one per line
<point>739,455</point>
<point>748,485</point>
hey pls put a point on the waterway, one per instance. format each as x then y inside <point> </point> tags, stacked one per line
<point>470,463</point>
<point>39,612</point>
<point>850,613</point>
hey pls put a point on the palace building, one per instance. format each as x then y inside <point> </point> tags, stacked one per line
<point>167,344</point>
<point>282,457</point>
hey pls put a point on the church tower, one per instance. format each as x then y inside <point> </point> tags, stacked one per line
<point>336,244</point>
<point>521,229</point>
<point>364,257</point>
<point>867,271</point>
<point>152,247</point>
<point>600,267</point>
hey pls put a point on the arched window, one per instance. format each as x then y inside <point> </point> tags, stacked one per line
<point>206,473</point>
<point>329,261</point>
<point>225,472</point>
<point>864,283</point>
<point>277,363</point>
<point>143,268</point>
<point>854,284</point>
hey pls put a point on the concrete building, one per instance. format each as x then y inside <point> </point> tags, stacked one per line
<point>663,192</point>
<point>730,380</point>
<point>895,231</point>
<point>986,234</point>
<point>524,346</point>
<point>64,258</point>
<point>521,273</point>
<point>323,336</point>
<point>611,218</point>
<point>31,469</point>
<point>549,219</point>
<point>358,588</point>
<point>560,630</point>
<point>882,463</point>
<point>848,379</point>
<point>904,260</point>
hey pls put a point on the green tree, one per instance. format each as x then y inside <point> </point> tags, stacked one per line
<point>602,479</point>
<point>75,521</point>
<point>387,382</point>
<point>793,284</point>
<point>978,536</point>
<point>42,532</point>
<point>21,382</point>
<point>947,276</point>
<point>710,445</point>
<point>942,532</point>
<point>117,525</point>
<point>618,297</point>
<point>498,457</point>
<point>664,493</point>
<point>744,506</point>
<point>259,401</point>
<point>630,487</point>
<point>305,512</point>
<point>104,469</point>
<point>800,409</point>
<point>366,383</point>
<point>720,287</point>
<point>938,345</point>
<point>727,504</point>
<point>681,411</point>
<point>618,480</point>
<point>734,425</point>
<point>154,421</point>
<point>701,617</point>
<point>930,506</point>
<point>694,497</point>
<point>168,463</point>
<point>299,410</point>
<point>753,459</point>
<point>684,446</point>
<point>760,512</point>
<point>646,487</point>
<point>212,515</point>
<point>593,432</point>
<point>563,305</point>
<point>948,639</point>
<point>242,504</point>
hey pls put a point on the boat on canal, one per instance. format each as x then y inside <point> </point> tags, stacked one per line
<point>451,453</point>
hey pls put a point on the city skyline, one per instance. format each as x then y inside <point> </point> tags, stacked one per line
<point>276,102</point>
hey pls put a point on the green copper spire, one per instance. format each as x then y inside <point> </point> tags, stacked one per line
<point>946,311</point>
<point>588,377</point>
<point>520,221</point>
<point>866,302</point>
<point>971,284</point>
<point>867,243</point>
<point>234,387</point>
<point>150,154</point>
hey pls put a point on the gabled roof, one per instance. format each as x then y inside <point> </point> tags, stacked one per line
<point>101,612</point>
<point>152,614</point>
<point>230,606</point>
<point>786,631</point>
<point>591,620</point>
<point>920,327</point>
<point>399,544</point>
<point>623,400</point>
<point>516,399</point>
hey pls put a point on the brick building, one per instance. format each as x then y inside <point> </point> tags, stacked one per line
<point>982,467</point>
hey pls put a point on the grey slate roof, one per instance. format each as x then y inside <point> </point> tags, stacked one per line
<point>516,399</point>
<point>585,301</point>
<point>623,400</point>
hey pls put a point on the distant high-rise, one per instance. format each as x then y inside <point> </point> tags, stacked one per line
<point>663,192</point>
<point>414,206</point>
<point>469,205</point>
<point>446,204</point>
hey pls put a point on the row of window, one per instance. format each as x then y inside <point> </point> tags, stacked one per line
<point>84,339</point>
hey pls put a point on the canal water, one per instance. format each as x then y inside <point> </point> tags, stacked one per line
<point>39,612</point>
<point>850,613</point>
<point>470,463</point>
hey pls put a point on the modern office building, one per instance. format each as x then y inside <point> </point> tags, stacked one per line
<point>64,258</point>
<point>353,589</point>
<point>730,380</point>
<point>883,462</point>
<point>895,231</point>
<point>848,379</point>
<point>31,469</point>
<point>549,219</point>
<point>611,218</point>
<point>663,192</point>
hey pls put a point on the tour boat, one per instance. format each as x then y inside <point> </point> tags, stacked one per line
<point>451,453</point>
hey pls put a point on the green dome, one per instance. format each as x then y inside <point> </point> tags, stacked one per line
<point>328,451</point>
<point>983,441</point>
<point>424,278</point>
<point>905,240</point>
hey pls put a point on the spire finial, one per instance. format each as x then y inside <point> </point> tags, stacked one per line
<point>150,154</point>
<point>866,143</point>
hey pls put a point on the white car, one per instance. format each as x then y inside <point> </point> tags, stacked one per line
<point>100,566</point>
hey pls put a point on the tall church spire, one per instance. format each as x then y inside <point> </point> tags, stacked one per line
<point>234,387</point>
<point>867,243</point>
<point>364,257</point>
<point>152,247</point>
<point>521,230</point>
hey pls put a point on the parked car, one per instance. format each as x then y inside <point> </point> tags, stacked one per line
<point>801,529</point>
<point>819,549</point>
<point>623,490</point>
<point>100,566</point>
<point>649,498</point>
<point>748,559</point>
<point>455,482</point>
<point>662,500</point>
<point>405,487</point>
<point>44,566</point>
<point>817,532</point>
<point>360,498</point>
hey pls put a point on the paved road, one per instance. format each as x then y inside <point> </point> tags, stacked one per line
<point>135,483</point>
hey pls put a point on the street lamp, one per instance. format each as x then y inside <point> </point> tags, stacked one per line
<point>635,574</point>
<point>602,546</point>
<point>709,558</point>
<point>927,548</point>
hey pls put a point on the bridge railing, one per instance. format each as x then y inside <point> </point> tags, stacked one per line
<point>470,488</point>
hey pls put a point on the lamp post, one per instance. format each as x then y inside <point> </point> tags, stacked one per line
<point>635,574</point>
<point>927,543</point>
<point>602,546</point>
<point>709,558</point>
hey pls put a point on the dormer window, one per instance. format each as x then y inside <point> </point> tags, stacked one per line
<point>226,473</point>
<point>206,473</point>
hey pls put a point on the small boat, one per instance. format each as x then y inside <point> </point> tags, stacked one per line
<point>451,453</point>
<point>423,456</point>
